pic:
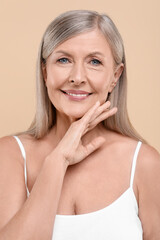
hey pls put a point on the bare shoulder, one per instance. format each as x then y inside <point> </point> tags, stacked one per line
<point>150,151</point>
<point>149,161</point>
<point>6,141</point>
<point>148,181</point>
<point>147,154</point>
<point>11,159</point>
<point>120,144</point>
<point>148,168</point>
<point>148,171</point>
<point>12,184</point>
<point>8,147</point>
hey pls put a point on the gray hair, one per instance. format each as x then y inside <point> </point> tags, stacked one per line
<point>64,27</point>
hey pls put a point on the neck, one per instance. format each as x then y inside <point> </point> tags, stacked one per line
<point>63,123</point>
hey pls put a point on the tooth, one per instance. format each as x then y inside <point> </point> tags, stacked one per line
<point>77,95</point>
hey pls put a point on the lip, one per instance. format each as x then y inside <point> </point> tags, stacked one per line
<point>76,95</point>
<point>75,91</point>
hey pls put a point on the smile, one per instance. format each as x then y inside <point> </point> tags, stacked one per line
<point>76,95</point>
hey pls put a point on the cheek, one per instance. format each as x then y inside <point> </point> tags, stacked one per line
<point>100,81</point>
<point>56,77</point>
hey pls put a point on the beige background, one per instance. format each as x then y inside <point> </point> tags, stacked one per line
<point>22,23</point>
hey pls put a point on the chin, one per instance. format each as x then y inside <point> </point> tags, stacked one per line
<point>75,114</point>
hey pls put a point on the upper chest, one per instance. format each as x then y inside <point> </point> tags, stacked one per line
<point>95,183</point>
<point>92,184</point>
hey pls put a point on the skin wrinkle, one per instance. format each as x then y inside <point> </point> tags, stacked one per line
<point>95,79</point>
<point>79,73</point>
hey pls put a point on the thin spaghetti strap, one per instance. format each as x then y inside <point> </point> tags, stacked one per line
<point>134,163</point>
<point>24,157</point>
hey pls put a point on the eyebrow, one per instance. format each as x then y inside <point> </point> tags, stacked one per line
<point>96,53</point>
<point>90,54</point>
<point>63,52</point>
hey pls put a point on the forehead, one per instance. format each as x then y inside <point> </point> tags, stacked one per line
<point>93,41</point>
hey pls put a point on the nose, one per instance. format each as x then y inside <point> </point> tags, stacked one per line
<point>77,74</point>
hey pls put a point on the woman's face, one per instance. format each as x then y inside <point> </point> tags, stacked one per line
<point>80,72</point>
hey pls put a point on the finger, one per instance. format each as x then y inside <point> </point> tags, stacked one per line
<point>94,145</point>
<point>103,108</point>
<point>78,127</point>
<point>86,130</point>
<point>91,111</point>
<point>99,111</point>
<point>84,121</point>
<point>101,118</point>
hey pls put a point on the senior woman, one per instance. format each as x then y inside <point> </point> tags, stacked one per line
<point>80,171</point>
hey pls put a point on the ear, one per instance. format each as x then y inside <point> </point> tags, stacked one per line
<point>117,73</point>
<point>44,72</point>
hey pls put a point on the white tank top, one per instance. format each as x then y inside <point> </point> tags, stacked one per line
<point>118,221</point>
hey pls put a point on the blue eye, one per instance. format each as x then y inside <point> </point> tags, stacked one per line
<point>95,62</point>
<point>63,60</point>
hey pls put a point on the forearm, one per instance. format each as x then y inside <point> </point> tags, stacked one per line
<point>35,220</point>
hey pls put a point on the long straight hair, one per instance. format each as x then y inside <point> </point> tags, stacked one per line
<point>64,27</point>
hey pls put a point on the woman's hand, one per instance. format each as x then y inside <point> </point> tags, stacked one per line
<point>71,146</point>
